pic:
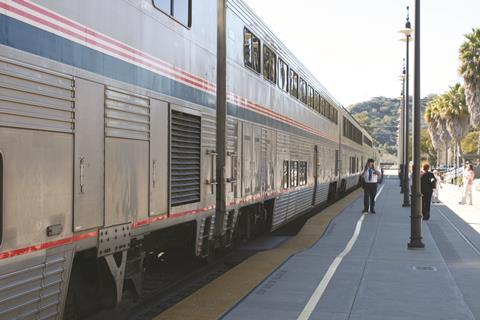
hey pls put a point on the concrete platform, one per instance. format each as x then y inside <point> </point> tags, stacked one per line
<point>216,298</point>
<point>379,278</point>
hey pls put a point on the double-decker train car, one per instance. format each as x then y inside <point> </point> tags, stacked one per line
<point>108,143</point>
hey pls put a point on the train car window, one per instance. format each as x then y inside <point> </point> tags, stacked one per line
<point>293,83</point>
<point>285,174</point>
<point>269,64</point>
<point>316,103</point>
<point>302,173</point>
<point>293,173</point>
<point>251,50</point>
<point>180,10</point>
<point>302,95</point>
<point>1,198</point>
<point>282,75</point>
<point>310,97</point>
<point>322,107</point>
<point>367,141</point>
<point>164,5</point>
<point>352,132</point>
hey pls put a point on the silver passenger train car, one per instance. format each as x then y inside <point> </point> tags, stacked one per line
<point>108,143</point>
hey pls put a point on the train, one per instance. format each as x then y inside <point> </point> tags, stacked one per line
<point>109,144</point>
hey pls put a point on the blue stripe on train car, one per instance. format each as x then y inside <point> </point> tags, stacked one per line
<point>28,38</point>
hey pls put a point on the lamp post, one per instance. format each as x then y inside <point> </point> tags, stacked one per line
<point>401,138</point>
<point>408,31</point>
<point>221,116</point>
<point>415,213</point>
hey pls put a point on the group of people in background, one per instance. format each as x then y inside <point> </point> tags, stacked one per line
<point>430,185</point>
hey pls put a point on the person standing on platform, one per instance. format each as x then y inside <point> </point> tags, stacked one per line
<point>435,198</point>
<point>370,178</point>
<point>468,177</point>
<point>428,183</point>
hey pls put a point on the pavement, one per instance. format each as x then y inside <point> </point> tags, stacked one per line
<point>361,268</point>
<point>450,195</point>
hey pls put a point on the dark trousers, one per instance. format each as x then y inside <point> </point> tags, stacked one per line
<point>426,200</point>
<point>369,193</point>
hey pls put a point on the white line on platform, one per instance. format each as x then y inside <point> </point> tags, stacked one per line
<point>317,294</point>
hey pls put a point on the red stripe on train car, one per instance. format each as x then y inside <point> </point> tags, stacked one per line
<point>148,221</point>
<point>47,245</point>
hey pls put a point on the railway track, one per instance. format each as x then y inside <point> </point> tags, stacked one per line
<point>173,277</point>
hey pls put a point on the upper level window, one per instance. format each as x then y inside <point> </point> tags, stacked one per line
<point>293,83</point>
<point>367,141</point>
<point>180,10</point>
<point>322,106</point>
<point>302,95</point>
<point>269,64</point>
<point>316,103</point>
<point>352,132</point>
<point>282,75</point>
<point>310,97</point>
<point>251,50</point>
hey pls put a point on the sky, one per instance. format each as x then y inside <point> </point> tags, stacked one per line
<point>353,47</point>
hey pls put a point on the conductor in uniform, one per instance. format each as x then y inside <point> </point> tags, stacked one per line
<point>370,177</point>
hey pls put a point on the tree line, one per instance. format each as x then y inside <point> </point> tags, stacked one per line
<point>451,116</point>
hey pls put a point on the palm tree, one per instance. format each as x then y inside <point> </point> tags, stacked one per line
<point>445,136</point>
<point>470,70</point>
<point>456,115</point>
<point>431,118</point>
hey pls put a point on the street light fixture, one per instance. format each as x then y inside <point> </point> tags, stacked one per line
<point>415,213</point>
<point>408,31</point>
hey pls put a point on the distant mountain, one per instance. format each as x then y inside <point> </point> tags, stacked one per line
<point>380,117</point>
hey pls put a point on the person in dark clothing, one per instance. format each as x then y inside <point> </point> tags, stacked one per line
<point>370,177</point>
<point>428,182</point>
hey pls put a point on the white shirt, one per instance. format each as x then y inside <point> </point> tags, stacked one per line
<point>374,177</point>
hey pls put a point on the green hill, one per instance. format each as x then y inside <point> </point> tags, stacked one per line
<point>380,116</point>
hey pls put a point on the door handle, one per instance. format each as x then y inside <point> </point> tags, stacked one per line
<point>154,173</point>
<point>82,175</point>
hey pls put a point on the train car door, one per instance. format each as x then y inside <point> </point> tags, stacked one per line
<point>258,162</point>
<point>127,147</point>
<point>89,155</point>
<point>247,161</point>
<point>159,111</point>
<point>315,173</point>
<point>270,158</point>
<point>232,165</point>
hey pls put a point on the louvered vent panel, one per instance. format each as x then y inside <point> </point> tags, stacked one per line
<point>35,98</point>
<point>127,115</point>
<point>185,158</point>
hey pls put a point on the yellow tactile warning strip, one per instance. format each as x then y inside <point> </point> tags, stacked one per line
<point>213,300</point>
